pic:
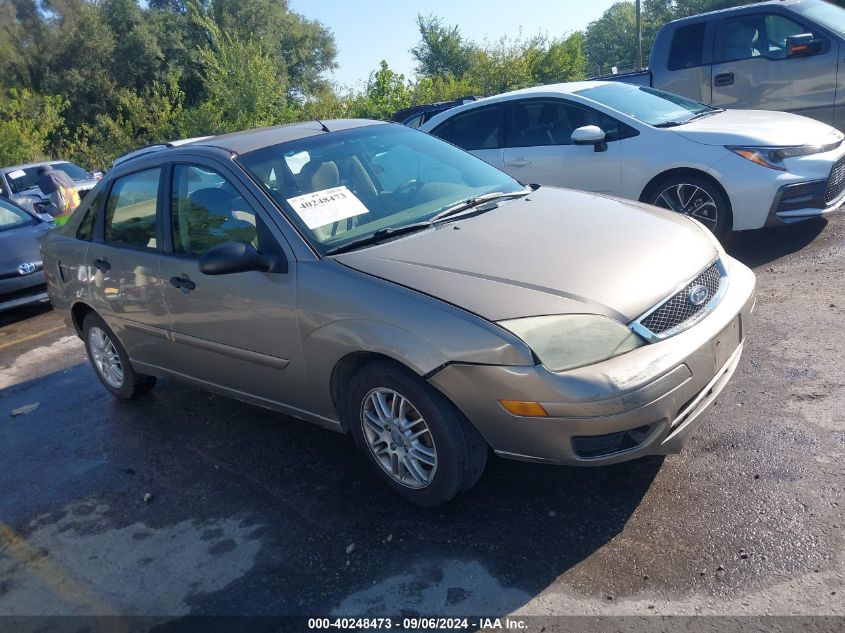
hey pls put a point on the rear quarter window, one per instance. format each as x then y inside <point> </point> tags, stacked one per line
<point>476,129</point>
<point>687,50</point>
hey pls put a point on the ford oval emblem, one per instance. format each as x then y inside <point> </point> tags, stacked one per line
<point>27,268</point>
<point>698,295</point>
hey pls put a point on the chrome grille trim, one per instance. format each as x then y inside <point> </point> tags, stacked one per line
<point>639,325</point>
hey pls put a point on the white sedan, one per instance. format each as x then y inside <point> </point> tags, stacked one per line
<point>729,169</point>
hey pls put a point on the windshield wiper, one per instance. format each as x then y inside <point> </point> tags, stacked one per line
<point>474,202</point>
<point>392,231</point>
<point>697,115</point>
<point>704,113</point>
<point>669,123</point>
<point>380,235</point>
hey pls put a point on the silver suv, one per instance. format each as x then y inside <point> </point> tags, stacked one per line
<point>378,281</point>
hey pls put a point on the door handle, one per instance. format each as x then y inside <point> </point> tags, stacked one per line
<point>183,283</point>
<point>102,264</point>
<point>519,162</point>
<point>723,79</point>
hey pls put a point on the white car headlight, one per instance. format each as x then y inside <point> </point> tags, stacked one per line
<point>567,341</point>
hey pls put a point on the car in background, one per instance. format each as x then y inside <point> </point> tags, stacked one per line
<point>19,183</point>
<point>778,55</point>
<point>375,280</point>
<point>728,169</point>
<point>416,115</point>
<point>22,279</point>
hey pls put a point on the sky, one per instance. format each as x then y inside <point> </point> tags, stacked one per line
<point>367,31</point>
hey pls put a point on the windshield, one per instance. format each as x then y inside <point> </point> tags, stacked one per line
<point>648,105</point>
<point>342,187</point>
<point>11,217</point>
<point>826,14</point>
<point>27,177</point>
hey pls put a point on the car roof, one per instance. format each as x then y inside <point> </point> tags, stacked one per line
<point>248,140</point>
<point>547,90</point>
<point>746,8</point>
<point>38,164</point>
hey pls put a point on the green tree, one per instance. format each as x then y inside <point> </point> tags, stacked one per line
<point>557,61</point>
<point>302,50</point>
<point>612,39</point>
<point>386,92</point>
<point>244,87</point>
<point>442,50</point>
<point>27,123</point>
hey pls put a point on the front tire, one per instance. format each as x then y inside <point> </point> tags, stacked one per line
<point>696,197</point>
<point>415,439</point>
<point>111,362</point>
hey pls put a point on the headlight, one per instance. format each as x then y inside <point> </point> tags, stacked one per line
<point>567,341</point>
<point>773,157</point>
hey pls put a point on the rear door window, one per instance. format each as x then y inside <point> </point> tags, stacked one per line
<point>475,129</point>
<point>687,50</point>
<point>131,209</point>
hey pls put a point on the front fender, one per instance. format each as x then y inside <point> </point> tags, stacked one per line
<point>327,346</point>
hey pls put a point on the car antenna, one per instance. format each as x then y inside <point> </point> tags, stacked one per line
<point>322,125</point>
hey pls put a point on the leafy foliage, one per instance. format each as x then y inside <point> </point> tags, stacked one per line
<point>90,79</point>
<point>27,121</point>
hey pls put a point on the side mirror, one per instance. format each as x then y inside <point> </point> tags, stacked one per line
<point>590,135</point>
<point>46,217</point>
<point>240,257</point>
<point>803,45</point>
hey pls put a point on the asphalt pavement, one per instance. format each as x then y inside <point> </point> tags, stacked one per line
<point>187,503</point>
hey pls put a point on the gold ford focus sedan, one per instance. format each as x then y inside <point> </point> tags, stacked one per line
<point>381,282</point>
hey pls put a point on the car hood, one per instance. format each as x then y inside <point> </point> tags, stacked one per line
<point>21,245</point>
<point>758,128</point>
<point>553,252</point>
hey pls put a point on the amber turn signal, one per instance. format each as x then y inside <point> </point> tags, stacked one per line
<point>524,409</point>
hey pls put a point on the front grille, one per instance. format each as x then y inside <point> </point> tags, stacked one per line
<point>23,292</point>
<point>836,182</point>
<point>678,309</point>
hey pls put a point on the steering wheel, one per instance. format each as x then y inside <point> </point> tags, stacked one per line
<point>409,186</point>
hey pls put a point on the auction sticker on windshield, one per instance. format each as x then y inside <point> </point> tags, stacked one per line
<point>18,173</point>
<point>327,206</point>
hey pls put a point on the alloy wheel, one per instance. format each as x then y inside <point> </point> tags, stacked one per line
<point>399,438</point>
<point>690,200</point>
<point>105,357</point>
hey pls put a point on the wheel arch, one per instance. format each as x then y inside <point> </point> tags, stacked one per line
<point>78,312</point>
<point>347,367</point>
<point>688,171</point>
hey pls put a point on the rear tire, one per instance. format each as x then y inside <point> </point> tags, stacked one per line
<point>111,362</point>
<point>415,439</point>
<point>696,197</point>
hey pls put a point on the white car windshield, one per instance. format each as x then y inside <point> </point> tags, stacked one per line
<point>346,186</point>
<point>651,106</point>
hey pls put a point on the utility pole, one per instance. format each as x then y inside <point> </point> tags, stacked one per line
<point>639,39</point>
